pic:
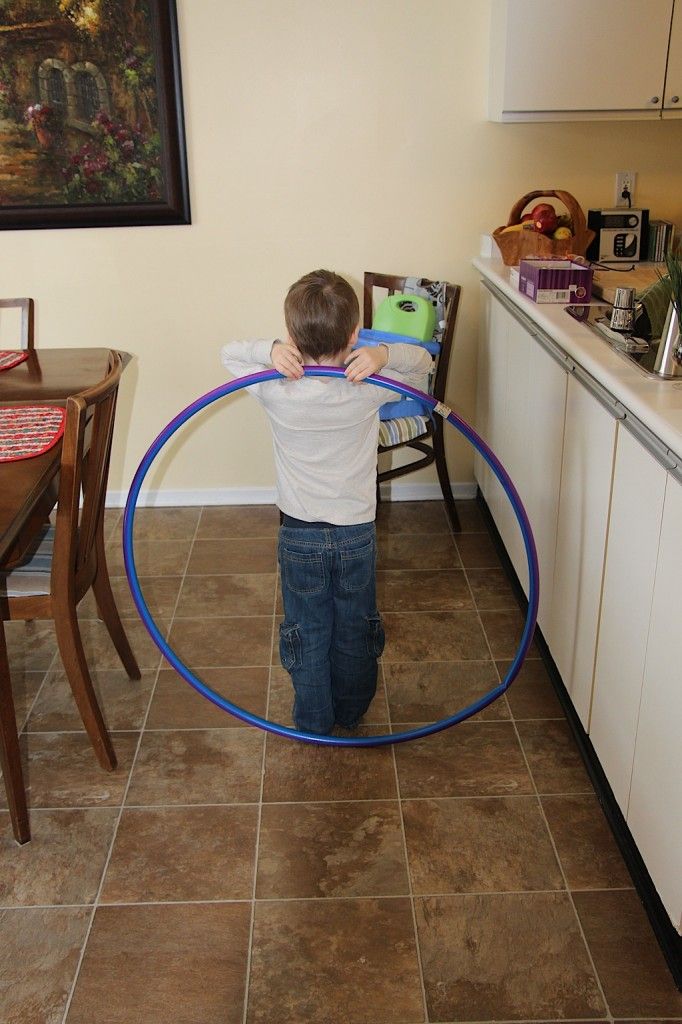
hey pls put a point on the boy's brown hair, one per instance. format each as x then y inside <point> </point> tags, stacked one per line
<point>321,312</point>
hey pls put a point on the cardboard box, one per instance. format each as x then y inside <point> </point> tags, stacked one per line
<point>555,280</point>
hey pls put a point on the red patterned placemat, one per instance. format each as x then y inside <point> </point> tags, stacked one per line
<point>28,430</point>
<point>10,358</point>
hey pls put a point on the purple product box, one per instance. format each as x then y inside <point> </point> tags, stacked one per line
<point>555,280</point>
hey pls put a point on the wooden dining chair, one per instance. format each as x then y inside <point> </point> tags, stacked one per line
<point>27,307</point>
<point>420,433</point>
<point>69,560</point>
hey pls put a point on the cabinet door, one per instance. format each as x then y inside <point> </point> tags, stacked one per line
<point>531,452</point>
<point>577,55</point>
<point>539,474</point>
<point>655,809</point>
<point>484,388</point>
<point>672,99</point>
<point>520,413</point>
<point>491,397</point>
<point>512,444</point>
<point>632,550</point>
<point>586,472</point>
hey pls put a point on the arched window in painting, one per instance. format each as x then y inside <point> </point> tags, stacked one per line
<point>56,89</point>
<point>87,96</point>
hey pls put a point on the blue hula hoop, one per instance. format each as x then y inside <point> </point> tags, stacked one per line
<point>263,723</point>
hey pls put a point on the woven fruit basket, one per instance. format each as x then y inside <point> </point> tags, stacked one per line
<point>522,242</point>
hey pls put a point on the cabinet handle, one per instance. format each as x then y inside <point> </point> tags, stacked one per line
<point>655,99</point>
<point>651,443</point>
<point>674,99</point>
<point>598,391</point>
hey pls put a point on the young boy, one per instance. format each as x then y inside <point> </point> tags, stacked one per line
<point>325,434</point>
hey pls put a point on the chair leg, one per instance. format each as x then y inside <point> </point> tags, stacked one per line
<point>76,668</point>
<point>10,755</point>
<point>444,478</point>
<point>106,606</point>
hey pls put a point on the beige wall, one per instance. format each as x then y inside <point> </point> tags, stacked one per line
<point>349,134</point>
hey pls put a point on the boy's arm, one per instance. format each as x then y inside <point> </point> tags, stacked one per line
<point>407,361</point>
<point>411,363</point>
<point>243,357</point>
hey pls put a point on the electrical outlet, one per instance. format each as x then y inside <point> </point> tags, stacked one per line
<point>625,182</point>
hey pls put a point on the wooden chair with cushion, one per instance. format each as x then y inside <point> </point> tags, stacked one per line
<point>421,433</point>
<point>27,308</point>
<point>68,560</point>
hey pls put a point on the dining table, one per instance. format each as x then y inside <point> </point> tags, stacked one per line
<point>28,492</point>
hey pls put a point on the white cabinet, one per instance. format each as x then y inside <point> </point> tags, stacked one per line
<point>633,541</point>
<point>491,398</point>
<point>607,520</point>
<point>548,385</point>
<point>576,59</point>
<point>672,96</point>
<point>521,398</point>
<point>510,442</point>
<point>586,474</point>
<point>655,808</point>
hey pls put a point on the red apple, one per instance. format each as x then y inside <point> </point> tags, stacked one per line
<point>526,217</point>
<point>546,222</point>
<point>541,208</point>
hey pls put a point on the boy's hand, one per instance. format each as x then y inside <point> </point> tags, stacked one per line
<point>364,361</point>
<point>287,359</point>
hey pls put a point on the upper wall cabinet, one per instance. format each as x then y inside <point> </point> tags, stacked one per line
<point>672,95</point>
<point>574,60</point>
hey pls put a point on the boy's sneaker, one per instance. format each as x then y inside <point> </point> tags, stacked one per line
<point>340,728</point>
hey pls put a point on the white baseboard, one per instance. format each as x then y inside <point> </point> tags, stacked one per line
<point>426,492</point>
<point>266,495</point>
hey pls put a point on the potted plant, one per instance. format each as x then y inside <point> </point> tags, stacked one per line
<point>669,357</point>
<point>673,280</point>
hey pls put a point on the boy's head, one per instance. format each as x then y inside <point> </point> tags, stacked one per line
<point>322,314</point>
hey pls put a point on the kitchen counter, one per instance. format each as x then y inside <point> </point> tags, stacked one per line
<point>595,452</point>
<point>656,404</point>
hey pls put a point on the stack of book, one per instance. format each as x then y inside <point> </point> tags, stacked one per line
<point>661,233</point>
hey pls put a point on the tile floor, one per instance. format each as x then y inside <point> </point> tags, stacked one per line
<point>222,877</point>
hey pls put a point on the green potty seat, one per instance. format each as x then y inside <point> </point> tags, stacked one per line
<point>410,315</point>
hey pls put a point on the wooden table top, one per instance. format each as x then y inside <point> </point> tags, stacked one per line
<point>53,373</point>
<point>48,375</point>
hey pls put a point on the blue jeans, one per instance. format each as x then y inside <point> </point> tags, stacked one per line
<point>332,634</point>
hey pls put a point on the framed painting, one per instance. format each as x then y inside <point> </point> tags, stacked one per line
<point>91,120</point>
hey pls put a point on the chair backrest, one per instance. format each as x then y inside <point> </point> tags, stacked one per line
<point>27,308</point>
<point>83,474</point>
<point>393,284</point>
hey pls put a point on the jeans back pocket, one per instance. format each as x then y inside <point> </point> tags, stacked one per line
<point>357,566</point>
<point>303,571</point>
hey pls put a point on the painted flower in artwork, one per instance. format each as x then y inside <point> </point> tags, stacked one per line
<point>121,164</point>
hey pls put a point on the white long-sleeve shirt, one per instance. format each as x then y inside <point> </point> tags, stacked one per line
<point>325,431</point>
